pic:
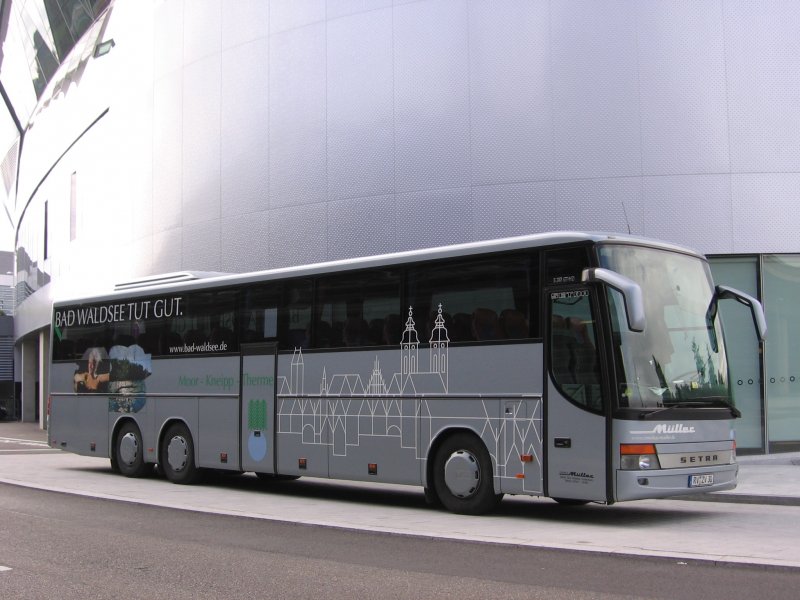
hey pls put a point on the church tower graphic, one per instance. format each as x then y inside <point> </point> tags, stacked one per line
<point>409,348</point>
<point>439,347</point>
<point>297,373</point>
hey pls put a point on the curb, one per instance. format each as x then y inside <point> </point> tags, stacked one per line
<point>742,499</point>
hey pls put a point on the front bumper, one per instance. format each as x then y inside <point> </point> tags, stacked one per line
<point>664,483</point>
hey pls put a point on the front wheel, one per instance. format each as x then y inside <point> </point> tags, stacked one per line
<point>128,456</point>
<point>463,477</point>
<point>177,455</point>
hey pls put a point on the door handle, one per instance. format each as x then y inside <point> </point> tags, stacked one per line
<point>562,442</point>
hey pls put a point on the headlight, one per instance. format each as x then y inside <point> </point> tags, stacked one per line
<point>638,457</point>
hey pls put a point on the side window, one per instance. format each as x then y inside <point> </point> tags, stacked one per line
<point>294,318</point>
<point>71,341</point>
<point>258,313</point>
<point>161,331</point>
<point>207,322</point>
<point>358,309</point>
<point>481,300</point>
<point>565,265</point>
<point>574,362</point>
<point>169,325</point>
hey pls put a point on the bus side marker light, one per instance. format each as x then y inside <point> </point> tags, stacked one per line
<point>372,468</point>
<point>223,457</point>
<point>637,449</point>
<point>93,447</point>
<point>526,458</point>
<point>520,475</point>
<point>302,463</point>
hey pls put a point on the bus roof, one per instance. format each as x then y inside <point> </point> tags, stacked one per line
<point>192,280</point>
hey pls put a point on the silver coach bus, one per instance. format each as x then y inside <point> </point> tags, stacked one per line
<point>580,367</point>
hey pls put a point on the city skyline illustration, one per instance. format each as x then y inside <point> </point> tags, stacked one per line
<point>410,406</point>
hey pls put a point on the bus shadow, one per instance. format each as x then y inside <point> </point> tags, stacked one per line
<point>628,514</point>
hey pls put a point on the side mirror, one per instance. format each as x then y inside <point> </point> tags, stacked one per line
<point>630,290</point>
<point>724,292</point>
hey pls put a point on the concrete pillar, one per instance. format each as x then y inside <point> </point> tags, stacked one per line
<point>44,376</point>
<point>30,371</point>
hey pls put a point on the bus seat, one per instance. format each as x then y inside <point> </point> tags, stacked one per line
<point>513,324</point>
<point>484,324</point>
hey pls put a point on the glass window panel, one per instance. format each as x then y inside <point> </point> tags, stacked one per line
<point>573,348</point>
<point>358,309</point>
<point>481,300</point>
<point>566,265</point>
<point>39,43</point>
<point>676,359</point>
<point>741,343</point>
<point>45,32</point>
<point>258,317</point>
<point>295,315</point>
<point>781,276</point>
<point>58,25</point>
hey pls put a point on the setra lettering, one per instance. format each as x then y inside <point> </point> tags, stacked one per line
<point>706,458</point>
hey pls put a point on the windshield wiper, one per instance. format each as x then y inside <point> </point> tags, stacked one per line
<point>715,402</point>
<point>657,411</point>
<point>711,402</point>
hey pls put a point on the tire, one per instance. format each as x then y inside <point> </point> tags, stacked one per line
<point>463,478</point>
<point>128,457</point>
<point>176,455</point>
<point>431,499</point>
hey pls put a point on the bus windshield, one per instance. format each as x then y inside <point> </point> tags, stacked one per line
<point>679,359</point>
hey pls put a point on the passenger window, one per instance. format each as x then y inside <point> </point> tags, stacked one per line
<point>574,362</point>
<point>358,309</point>
<point>295,321</point>
<point>258,315</point>
<point>481,300</point>
<point>207,322</point>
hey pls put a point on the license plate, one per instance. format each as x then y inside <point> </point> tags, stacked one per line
<point>701,480</point>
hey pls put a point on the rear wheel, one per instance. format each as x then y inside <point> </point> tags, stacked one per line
<point>463,477</point>
<point>128,456</point>
<point>177,455</point>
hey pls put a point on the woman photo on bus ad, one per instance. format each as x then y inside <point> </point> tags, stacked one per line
<point>95,377</point>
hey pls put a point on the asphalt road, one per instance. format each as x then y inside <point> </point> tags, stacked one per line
<point>65,546</point>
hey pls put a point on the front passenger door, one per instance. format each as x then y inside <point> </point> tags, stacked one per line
<point>576,422</point>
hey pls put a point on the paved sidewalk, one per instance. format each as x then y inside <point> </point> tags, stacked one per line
<point>763,479</point>
<point>22,431</point>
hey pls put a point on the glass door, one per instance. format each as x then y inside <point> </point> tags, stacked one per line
<point>741,342</point>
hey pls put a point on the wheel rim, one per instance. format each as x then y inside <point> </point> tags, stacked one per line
<point>177,453</point>
<point>129,448</point>
<point>462,474</point>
